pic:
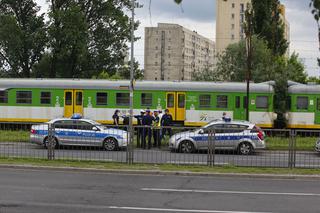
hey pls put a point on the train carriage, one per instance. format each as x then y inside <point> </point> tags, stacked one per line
<point>190,103</point>
<point>304,106</point>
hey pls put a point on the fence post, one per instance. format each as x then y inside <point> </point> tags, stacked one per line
<point>130,145</point>
<point>51,142</point>
<point>292,157</point>
<point>211,148</point>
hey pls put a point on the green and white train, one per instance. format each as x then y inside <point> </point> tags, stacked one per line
<point>190,103</point>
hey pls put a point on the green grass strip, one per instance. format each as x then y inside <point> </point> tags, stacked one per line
<point>156,167</point>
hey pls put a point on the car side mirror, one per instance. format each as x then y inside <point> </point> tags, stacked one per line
<point>95,128</point>
<point>201,131</point>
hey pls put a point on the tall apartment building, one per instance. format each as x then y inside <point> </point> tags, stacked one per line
<point>173,52</point>
<point>230,19</point>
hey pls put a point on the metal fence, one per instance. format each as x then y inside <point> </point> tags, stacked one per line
<point>161,145</point>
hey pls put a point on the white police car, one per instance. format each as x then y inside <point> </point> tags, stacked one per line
<point>317,147</point>
<point>79,132</point>
<point>242,136</point>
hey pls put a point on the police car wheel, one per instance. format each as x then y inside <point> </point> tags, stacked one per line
<point>245,148</point>
<point>186,147</point>
<point>55,143</point>
<point>110,144</point>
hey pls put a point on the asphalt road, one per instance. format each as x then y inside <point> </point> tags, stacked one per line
<point>24,191</point>
<point>260,158</point>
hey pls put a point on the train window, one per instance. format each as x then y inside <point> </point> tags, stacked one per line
<point>222,101</point>
<point>181,100</point>
<point>318,104</point>
<point>238,102</point>
<point>79,98</point>
<point>170,100</point>
<point>3,97</point>
<point>302,102</point>
<point>204,100</point>
<point>122,99</point>
<point>68,99</point>
<point>262,102</point>
<point>24,97</point>
<point>146,99</point>
<point>45,98</point>
<point>102,98</point>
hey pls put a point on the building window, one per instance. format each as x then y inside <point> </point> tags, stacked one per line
<point>241,8</point>
<point>24,97</point>
<point>45,98</point>
<point>102,99</point>
<point>3,97</point>
<point>156,47</point>
<point>302,103</point>
<point>205,101</point>
<point>122,99</point>
<point>241,18</point>
<point>262,102</point>
<point>233,5</point>
<point>232,36</point>
<point>222,101</point>
<point>146,99</point>
<point>232,26</point>
<point>156,63</point>
<point>169,55</point>
<point>169,47</point>
<point>232,16</point>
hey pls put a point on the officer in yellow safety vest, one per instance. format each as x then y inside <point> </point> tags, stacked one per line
<point>156,129</point>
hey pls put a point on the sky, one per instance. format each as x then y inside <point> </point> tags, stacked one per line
<point>199,15</point>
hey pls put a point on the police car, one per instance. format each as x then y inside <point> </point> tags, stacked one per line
<point>76,131</point>
<point>241,136</point>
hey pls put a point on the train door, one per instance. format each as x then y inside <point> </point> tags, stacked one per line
<point>171,103</point>
<point>239,108</point>
<point>176,104</point>
<point>317,111</point>
<point>180,106</point>
<point>73,102</point>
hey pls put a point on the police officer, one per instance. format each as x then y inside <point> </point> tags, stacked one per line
<point>166,122</point>
<point>139,128</point>
<point>147,122</point>
<point>156,129</point>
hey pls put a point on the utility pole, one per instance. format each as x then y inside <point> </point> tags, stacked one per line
<point>131,129</point>
<point>248,28</point>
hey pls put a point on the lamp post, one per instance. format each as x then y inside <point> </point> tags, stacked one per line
<point>248,27</point>
<point>131,87</point>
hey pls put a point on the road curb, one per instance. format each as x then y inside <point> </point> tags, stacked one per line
<point>158,172</point>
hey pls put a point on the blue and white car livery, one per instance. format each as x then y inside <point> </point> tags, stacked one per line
<point>241,136</point>
<point>79,132</point>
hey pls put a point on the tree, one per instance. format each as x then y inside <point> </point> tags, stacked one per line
<point>269,26</point>
<point>296,69</point>
<point>315,5</point>
<point>124,71</point>
<point>231,65</point>
<point>86,37</point>
<point>205,75</point>
<point>22,37</point>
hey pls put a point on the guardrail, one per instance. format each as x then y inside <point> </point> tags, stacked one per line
<point>162,145</point>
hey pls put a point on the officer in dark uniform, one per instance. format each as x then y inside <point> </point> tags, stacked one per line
<point>139,128</point>
<point>147,122</point>
<point>166,122</point>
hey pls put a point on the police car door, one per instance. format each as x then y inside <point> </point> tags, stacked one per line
<point>88,136</point>
<point>64,131</point>
<point>216,132</point>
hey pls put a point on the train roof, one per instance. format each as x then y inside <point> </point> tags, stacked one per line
<point>6,84</point>
<point>304,89</point>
